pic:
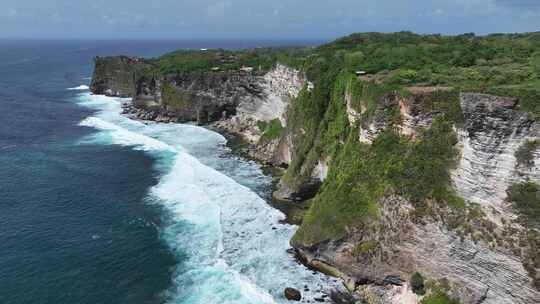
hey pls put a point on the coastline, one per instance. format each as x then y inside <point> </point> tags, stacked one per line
<point>285,269</point>
<point>293,210</point>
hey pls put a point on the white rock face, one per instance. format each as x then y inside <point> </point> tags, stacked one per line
<point>320,171</point>
<point>479,271</point>
<point>278,87</point>
<point>476,273</point>
<point>369,133</point>
<point>282,84</point>
<point>413,117</point>
<point>492,133</point>
<point>352,114</point>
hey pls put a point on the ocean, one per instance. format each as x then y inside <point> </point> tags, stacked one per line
<point>98,208</point>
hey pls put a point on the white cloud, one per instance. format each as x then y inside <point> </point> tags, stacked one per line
<point>276,18</point>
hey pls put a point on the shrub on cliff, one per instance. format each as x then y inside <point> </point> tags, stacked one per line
<point>361,175</point>
<point>525,197</point>
<point>417,283</point>
<point>524,154</point>
<point>271,129</point>
<point>438,298</point>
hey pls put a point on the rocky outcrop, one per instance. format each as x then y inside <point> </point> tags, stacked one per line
<point>413,112</point>
<point>201,97</point>
<point>118,75</point>
<point>235,101</point>
<point>380,120</point>
<point>292,294</point>
<point>276,89</point>
<point>382,261</point>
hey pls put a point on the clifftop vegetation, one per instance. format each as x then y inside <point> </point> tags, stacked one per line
<point>218,60</point>
<point>499,64</point>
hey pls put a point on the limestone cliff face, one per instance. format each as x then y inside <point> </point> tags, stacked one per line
<point>472,256</point>
<point>234,101</point>
<point>275,91</point>
<point>200,97</point>
<point>493,131</point>
<point>474,271</point>
<point>414,115</point>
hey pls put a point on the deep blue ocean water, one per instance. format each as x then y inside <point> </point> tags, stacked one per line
<point>98,208</point>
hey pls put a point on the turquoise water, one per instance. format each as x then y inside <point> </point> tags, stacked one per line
<point>99,208</point>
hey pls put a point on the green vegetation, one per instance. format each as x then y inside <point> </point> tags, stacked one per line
<point>524,154</point>
<point>501,64</point>
<point>507,65</point>
<point>415,168</point>
<point>438,298</point>
<point>361,175</point>
<point>219,60</point>
<point>417,284</point>
<point>367,247</point>
<point>425,172</point>
<point>444,101</point>
<point>531,255</point>
<point>525,197</point>
<point>271,129</point>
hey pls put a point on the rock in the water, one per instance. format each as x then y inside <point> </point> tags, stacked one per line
<point>293,294</point>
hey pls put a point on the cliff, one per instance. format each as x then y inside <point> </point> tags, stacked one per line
<point>477,250</point>
<point>422,166</point>
<point>117,76</point>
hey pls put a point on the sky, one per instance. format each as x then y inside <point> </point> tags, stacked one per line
<point>259,19</point>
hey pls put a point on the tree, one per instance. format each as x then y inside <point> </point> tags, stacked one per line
<point>417,283</point>
<point>354,59</point>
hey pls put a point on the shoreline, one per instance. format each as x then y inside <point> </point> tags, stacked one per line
<point>335,290</point>
<point>294,211</point>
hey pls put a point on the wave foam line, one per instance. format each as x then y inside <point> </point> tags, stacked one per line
<point>231,243</point>
<point>82,87</point>
<point>187,192</point>
<point>124,137</point>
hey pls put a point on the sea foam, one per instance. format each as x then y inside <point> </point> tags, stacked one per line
<point>231,243</point>
<point>80,88</point>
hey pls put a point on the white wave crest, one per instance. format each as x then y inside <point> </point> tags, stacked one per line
<point>232,244</point>
<point>124,137</point>
<point>82,87</point>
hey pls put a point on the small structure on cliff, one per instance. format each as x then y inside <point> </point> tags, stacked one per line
<point>246,69</point>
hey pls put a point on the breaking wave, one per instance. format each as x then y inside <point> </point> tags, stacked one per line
<point>80,88</point>
<point>230,243</point>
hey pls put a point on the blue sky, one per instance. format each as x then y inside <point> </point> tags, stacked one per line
<point>259,19</point>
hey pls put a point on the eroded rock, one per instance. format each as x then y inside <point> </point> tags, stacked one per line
<point>292,294</point>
